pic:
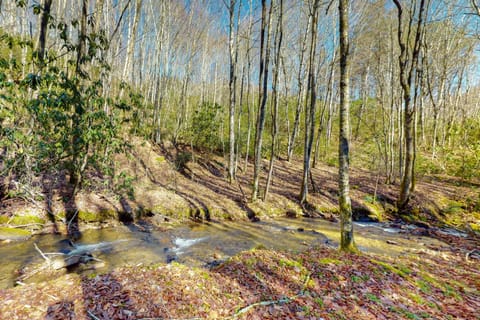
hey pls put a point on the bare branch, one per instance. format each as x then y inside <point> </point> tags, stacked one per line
<point>119,21</point>
<point>476,7</point>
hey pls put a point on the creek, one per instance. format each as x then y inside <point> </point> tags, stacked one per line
<point>202,245</point>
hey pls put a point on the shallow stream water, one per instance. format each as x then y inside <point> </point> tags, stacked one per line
<point>203,244</point>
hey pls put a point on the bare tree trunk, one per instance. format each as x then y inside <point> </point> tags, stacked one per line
<point>278,38</point>
<point>408,64</point>
<point>249,105</point>
<point>346,226</point>
<point>310,109</point>
<point>231,86</point>
<point>42,37</point>
<point>131,42</point>
<point>263,82</point>
<point>296,122</point>
<point>364,103</point>
<point>327,101</point>
<point>77,163</point>
<point>99,19</point>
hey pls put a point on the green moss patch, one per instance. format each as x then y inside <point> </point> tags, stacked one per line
<point>101,216</point>
<point>402,271</point>
<point>25,220</point>
<point>13,234</point>
<point>4,219</point>
<point>329,261</point>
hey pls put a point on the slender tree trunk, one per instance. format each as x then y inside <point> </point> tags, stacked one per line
<point>99,19</point>
<point>408,64</point>
<point>231,86</point>
<point>79,108</point>
<point>299,103</point>
<point>131,42</point>
<point>310,109</point>
<point>264,63</point>
<point>249,105</point>
<point>239,119</point>
<point>364,103</point>
<point>278,38</point>
<point>42,37</point>
<point>346,226</point>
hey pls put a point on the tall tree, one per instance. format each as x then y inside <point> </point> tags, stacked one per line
<point>346,225</point>
<point>299,100</point>
<point>275,89</point>
<point>311,107</point>
<point>42,37</point>
<point>263,93</point>
<point>408,63</point>
<point>131,42</point>
<point>231,86</point>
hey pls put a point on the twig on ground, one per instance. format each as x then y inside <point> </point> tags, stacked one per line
<point>475,252</point>
<point>53,297</point>
<point>92,315</point>
<point>270,302</point>
<point>41,252</point>
<point>263,303</point>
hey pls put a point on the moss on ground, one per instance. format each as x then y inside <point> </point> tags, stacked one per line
<point>25,220</point>
<point>13,233</point>
<point>377,212</point>
<point>101,216</point>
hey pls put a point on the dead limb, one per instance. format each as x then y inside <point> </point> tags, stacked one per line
<point>71,219</point>
<point>272,302</point>
<point>475,253</point>
<point>41,253</point>
<point>263,303</point>
<point>92,315</point>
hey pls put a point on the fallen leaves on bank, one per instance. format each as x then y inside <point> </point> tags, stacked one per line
<point>263,284</point>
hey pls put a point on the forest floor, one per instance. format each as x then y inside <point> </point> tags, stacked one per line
<point>319,283</point>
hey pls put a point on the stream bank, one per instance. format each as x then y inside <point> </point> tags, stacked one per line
<point>159,191</point>
<point>203,245</point>
<point>318,282</point>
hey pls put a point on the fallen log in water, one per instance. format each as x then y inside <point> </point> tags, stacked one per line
<point>55,261</point>
<point>65,260</point>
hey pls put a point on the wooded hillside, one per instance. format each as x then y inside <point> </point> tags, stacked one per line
<point>81,80</point>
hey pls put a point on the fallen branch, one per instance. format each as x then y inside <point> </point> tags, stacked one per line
<point>92,315</point>
<point>41,252</point>
<point>271,302</point>
<point>53,297</point>
<point>474,252</point>
<point>263,303</point>
<point>30,274</point>
<point>71,219</point>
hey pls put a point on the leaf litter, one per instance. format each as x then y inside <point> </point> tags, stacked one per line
<point>319,283</point>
